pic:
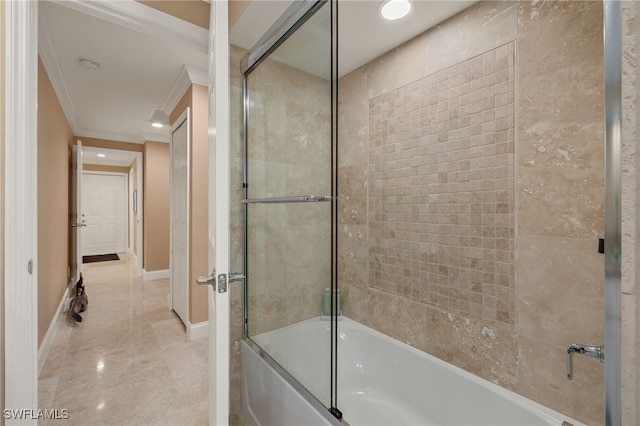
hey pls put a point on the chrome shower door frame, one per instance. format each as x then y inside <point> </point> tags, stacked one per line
<point>292,19</point>
<point>612,213</point>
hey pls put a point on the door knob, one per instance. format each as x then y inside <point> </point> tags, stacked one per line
<point>211,279</point>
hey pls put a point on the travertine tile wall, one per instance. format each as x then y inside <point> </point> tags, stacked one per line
<point>441,194</point>
<point>289,155</point>
<point>552,275</point>
<point>560,149</point>
<point>236,220</point>
<point>630,213</point>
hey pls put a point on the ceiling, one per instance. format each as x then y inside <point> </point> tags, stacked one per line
<point>149,58</point>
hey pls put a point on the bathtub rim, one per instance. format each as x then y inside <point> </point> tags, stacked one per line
<point>289,379</point>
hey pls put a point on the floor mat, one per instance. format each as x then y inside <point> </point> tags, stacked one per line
<point>100,258</point>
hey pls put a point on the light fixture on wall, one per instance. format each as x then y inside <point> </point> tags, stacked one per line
<point>394,9</point>
<point>101,155</point>
<point>158,118</point>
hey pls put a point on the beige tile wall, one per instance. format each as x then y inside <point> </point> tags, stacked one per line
<point>441,195</point>
<point>236,222</point>
<point>560,202</point>
<point>487,262</point>
<point>289,155</point>
<point>630,212</point>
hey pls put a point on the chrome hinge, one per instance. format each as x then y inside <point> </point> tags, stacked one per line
<point>222,280</point>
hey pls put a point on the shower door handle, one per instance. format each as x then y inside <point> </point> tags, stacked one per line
<point>211,279</point>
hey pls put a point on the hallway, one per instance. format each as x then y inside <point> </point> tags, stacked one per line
<point>129,361</point>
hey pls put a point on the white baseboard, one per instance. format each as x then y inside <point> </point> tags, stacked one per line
<point>155,275</point>
<point>45,346</point>
<point>197,331</point>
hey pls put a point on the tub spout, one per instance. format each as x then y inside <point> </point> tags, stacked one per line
<point>596,352</point>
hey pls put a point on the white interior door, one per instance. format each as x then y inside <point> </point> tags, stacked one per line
<point>104,210</point>
<point>76,214</point>
<point>179,278</point>
<point>219,123</point>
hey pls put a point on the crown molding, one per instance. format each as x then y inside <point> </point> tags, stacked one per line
<point>154,137</point>
<point>137,16</point>
<point>198,76</point>
<point>112,136</point>
<point>187,77</point>
<point>52,66</point>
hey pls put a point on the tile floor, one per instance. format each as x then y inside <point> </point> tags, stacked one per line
<point>129,361</point>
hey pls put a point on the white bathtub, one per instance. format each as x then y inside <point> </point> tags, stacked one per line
<point>381,381</point>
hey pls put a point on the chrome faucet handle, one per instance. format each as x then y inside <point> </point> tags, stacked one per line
<point>596,352</point>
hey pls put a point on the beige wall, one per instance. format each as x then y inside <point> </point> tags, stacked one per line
<point>199,221</point>
<point>110,144</point>
<point>483,291</point>
<point>196,99</point>
<point>193,11</point>
<point>236,9</point>
<point>156,206</point>
<point>197,11</point>
<point>54,141</point>
<point>185,102</point>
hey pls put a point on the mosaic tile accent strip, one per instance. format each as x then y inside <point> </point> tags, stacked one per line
<point>441,193</point>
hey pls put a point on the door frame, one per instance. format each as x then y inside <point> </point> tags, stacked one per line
<point>76,211</point>
<point>218,296</point>
<point>20,220</point>
<point>139,188</point>
<point>139,212</point>
<point>125,199</point>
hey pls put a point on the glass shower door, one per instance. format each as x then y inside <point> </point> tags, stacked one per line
<point>288,202</point>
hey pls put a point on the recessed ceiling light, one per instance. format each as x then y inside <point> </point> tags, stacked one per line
<point>395,9</point>
<point>101,155</point>
<point>88,64</point>
<point>157,125</point>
